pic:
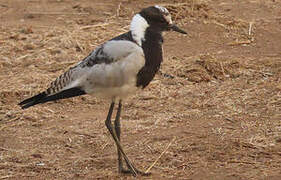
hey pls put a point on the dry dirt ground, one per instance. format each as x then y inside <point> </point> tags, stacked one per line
<point>218,114</point>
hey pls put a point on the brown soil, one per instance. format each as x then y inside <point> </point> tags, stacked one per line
<point>220,114</point>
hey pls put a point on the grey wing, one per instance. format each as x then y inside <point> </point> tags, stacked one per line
<point>71,77</point>
<point>110,52</point>
<point>106,63</point>
<point>114,66</point>
<point>111,69</point>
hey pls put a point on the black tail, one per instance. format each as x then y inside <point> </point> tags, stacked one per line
<point>43,97</point>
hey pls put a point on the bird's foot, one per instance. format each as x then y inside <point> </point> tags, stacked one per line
<point>134,171</point>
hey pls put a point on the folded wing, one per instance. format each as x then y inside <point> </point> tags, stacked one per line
<point>109,65</point>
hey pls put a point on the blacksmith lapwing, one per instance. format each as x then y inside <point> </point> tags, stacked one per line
<point>116,69</point>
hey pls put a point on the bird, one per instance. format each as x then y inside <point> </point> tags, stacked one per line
<point>116,69</point>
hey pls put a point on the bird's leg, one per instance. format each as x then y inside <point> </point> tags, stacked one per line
<point>118,132</point>
<point>117,125</point>
<point>114,136</point>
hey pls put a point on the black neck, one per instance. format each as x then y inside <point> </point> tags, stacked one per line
<point>152,47</point>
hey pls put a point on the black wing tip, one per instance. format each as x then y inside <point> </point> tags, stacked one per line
<point>43,97</point>
<point>27,106</point>
<point>32,101</point>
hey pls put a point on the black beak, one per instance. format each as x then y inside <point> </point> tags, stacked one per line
<point>174,27</point>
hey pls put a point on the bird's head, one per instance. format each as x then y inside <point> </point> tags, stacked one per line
<point>160,19</point>
<point>156,18</point>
